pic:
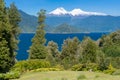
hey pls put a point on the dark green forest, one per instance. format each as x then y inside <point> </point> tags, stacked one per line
<point>102,55</point>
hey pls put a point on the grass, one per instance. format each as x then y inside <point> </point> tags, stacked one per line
<point>67,75</point>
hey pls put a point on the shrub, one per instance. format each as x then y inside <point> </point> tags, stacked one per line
<point>45,69</point>
<point>77,67</point>
<point>81,77</point>
<point>12,75</point>
<point>9,75</point>
<point>28,65</point>
<point>117,72</point>
<point>110,69</point>
<point>61,67</point>
<point>85,67</point>
<point>2,76</point>
<point>91,66</point>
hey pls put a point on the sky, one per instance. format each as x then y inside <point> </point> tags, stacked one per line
<point>110,7</point>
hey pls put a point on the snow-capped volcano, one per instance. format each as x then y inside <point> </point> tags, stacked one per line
<point>59,11</point>
<point>74,12</point>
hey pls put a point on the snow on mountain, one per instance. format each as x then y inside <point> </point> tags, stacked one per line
<point>77,12</point>
<point>59,11</point>
<point>74,12</point>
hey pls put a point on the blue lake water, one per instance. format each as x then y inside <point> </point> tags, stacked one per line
<point>25,41</point>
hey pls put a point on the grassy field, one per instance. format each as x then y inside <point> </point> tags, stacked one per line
<point>67,75</point>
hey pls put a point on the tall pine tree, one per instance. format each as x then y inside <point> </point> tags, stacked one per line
<point>6,59</point>
<point>14,19</point>
<point>9,20</point>
<point>38,49</point>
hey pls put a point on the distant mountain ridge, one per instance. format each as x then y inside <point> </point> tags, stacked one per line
<point>77,23</point>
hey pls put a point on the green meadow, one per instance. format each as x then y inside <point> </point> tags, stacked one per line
<point>67,75</point>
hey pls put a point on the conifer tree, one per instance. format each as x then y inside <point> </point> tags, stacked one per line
<point>38,49</point>
<point>6,57</point>
<point>14,19</point>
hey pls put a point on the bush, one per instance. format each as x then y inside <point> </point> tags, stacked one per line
<point>116,62</point>
<point>12,75</point>
<point>45,69</point>
<point>2,76</point>
<point>81,77</point>
<point>85,67</point>
<point>110,69</point>
<point>117,72</point>
<point>77,67</point>
<point>28,65</point>
<point>91,66</point>
<point>9,75</point>
<point>61,67</point>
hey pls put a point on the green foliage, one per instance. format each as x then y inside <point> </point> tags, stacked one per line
<point>81,77</point>
<point>110,44</point>
<point>8,38</point>
<point>53,48</point>
<point>88,51</point>
<point>117,72</point>
<point>14,19</point>
<point>91,66</point>
<point>116,62</point>
<point>45,69</point>
<point>115,36</point>
<point>110,69</point>
<point>38,49</point>
<point>53,53</point>
<point>61,67</point>
<point>28,65</point>
<point>77,67</point>
<point>5,58</point>
<point>4,64</point>
<point>10,75</point>
<point>86,67</point>
<point>69,54</point>
<point>112,51</point>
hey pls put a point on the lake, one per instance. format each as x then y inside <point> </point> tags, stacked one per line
<point>25,40</point>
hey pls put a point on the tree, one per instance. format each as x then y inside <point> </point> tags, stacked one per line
<point>69,52</point>
<point>88,51</point>
<point>53,48</point>
<point>38,49</point>
<point>53,52</point>
<point>110,44</point>
<point>14,19</point>
<point>6,56</point>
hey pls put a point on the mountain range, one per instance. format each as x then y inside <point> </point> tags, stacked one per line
<point>76,20</point>
<point>74,12</point>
